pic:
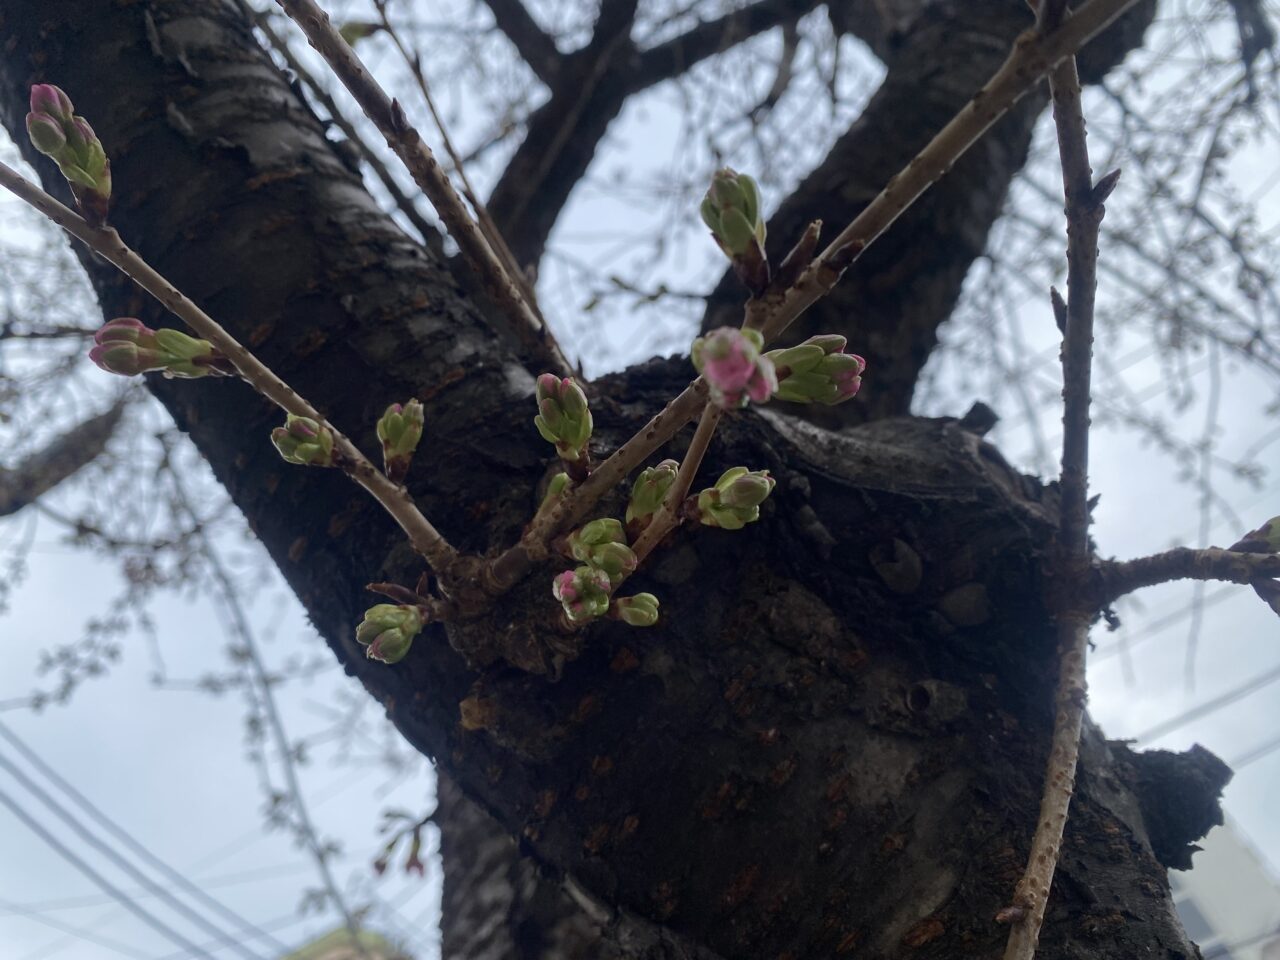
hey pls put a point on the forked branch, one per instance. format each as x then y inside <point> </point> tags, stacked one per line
<point>395,499</point>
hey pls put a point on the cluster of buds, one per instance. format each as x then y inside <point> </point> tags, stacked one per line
<point>732,210</point>
<point>129,347</point>
<point>583,592</point>
<point>304,441</point>
<point>70,142</point>
<point>400,429</point>
<point>817,371</point>
<point>602,544</point>
<point>563,417</point>
<point>735,499</point>
<point>586,591</point>
<point>387,631</point>
<point>731,362</point>
<point>648,493</point>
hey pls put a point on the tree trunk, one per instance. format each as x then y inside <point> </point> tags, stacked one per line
<point>833,743</point>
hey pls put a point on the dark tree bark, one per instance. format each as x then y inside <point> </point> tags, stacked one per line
<point>833,744</point>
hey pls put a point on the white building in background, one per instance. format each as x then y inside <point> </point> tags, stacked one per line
<point>1230,901</point>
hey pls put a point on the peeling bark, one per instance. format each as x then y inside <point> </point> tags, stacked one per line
<point>816,753</point>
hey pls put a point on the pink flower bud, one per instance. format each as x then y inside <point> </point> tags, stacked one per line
<point>46,98</point>
<point>126,359</point>
<point>731,361</point>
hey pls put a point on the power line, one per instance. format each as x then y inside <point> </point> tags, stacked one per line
<point>239,623</point>
<point>137,893</point>
<point>66,853</point>
<point>79,932</point>
<point>1253,756</point>
<point>132,843</point>
<point>1252,685</point>
<point>49,803</point>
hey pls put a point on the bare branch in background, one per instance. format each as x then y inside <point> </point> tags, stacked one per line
<point>58,460</point>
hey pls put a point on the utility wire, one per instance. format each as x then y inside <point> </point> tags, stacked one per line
<point>96,900</point>
<point>242,925</point>
<point>80,933</point>
<point>49,803</point>
<point>1252,685</point>
<point>1253,756</point>
<point>67,854</point>
<point>240,626</point>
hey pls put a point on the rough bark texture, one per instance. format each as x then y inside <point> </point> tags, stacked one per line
<point>833,743</point>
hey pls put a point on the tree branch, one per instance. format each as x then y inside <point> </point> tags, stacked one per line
<point>535,46</point>
<point>57,461</point>
<point>395,499</point>
<point>404,139</point>
<point>894,298</point>
<point>430,236</point>
<point>1117,578</point>
<point>1069,600</point>
<point>563,133</point>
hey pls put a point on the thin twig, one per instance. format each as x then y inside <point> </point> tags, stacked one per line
<point>388,116</point>
<point>239,622</point>
<point>1070,602</point>
<point>1032,57</point>
<point>1118,578</point>
<point>486,222</point>
<point>505,570</point>
<point>395,499</point>
<point>668,517</point>
<point>430,236</point>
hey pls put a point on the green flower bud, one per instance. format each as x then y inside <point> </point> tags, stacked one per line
<point>400,430</point>
<point>555,490</point>
<point>303,441</point>
<point>817,371</point>
<point>650,489</point>
<point>616,559</point>
<point>732,211</point>
<point>387,630</point>
<point>640,610</point>
<point>353,31</point>
<point>563,416</point>
<point>602,544</point>
<point>735,499</point>
<point>70,142</point>
<point>129,347</point>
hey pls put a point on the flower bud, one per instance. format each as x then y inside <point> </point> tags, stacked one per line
<point>583,592</point>
<point>387,631</point>
<point>733,211</point>
<point>556,487</point>
<point>48,99</point>
<point>70,142</point>
<point>735,499</point>
<point>817,371</point>
<point>640,610</point>
<point>400,430</point>
<point>603,544</point>
<point>129,347</point>
<point>650,490</point>
<point>730,360</point>
<point>305,442</point>
<point>563,416</point>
